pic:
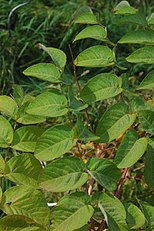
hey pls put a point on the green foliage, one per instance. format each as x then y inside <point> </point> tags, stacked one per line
<point>79,143</point>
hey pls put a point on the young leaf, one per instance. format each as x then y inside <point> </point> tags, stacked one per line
<point>115,121</point>
<point>102,86</point>
<point>57,55</point>
<point>72,212</point>
<point>63,174</point>
<point>23,169</point>
<point>149,163</point>
<point>95,56</point>
<point>104,172</point>
<point>148,82</point>
<point>85,16</point>
<point>95,32</point>
<point>124,8</point>
<point>26,201</point>
<point>8,106</point>
<point>18,94</point>
<point>148,211</point>
<point>6,133</point>
<point>44,71</point>
<point>141,36</point>
<point>134,217</point>
<point>50,104</point>
<point>25,118</point>
<point>146,119</point>
<point>143,55</point>
<point>54,142</point>
<point>25,138</point>
<point>130,150</point>
<point>74,103</point>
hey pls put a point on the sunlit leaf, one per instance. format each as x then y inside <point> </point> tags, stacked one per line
<point>124,8</point>
<point>85,16</point>
<point>148,82</point>
<point>8,106</point>
<point>6,133</point>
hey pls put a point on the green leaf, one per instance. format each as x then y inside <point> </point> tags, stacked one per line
<point>18,93</point>
<point>85,16</point>
<point>26,201</point>
<point>23,169</point>
<point>6,133</point>
<point>137,18</point>
<point>130,150</point>
<point>25,118</point>
<point>114,212</point>
<point>82,132</point>
<point>143,55</point>
<point>50,104</point>
<point>115,121</point>
<point>54,142</point>
<point>146,119</point>
<point>2,166</point>
<point>145,37</point>
<point>148,212</point>
<point>148,82</point>
<point>72,212</point>
<point>149,163</point>
<point>57,55</point>
<point>124,8</point>
<point>75,104</point>
<point>63,174</point>
<point>104,172</point>
<point>151,19</point>
<point>102,86</point>
<point>25,138</point>
<point>19,223</point>
<point>95,32</point>
<point>95,56</point>
<point>8,106</point>
<point>44,71</point>
<point>83,228</point>
<point>139,103</point>
<point>134,217</point>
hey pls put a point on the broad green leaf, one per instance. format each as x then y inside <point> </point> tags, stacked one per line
<point>82,132</point>
<point>74,103</point>
<point>137,18</point>
<point>138,103</point>
<point>95,56</point>
<point>83,228</point>
<point>23,169</point>
<point>6,133</point>
<point>2,165</point>
<point>114,212</point>
<point>130,150</point>
<point>134,217</point>
<point>18,93</point>
<point>143,55</point>
<point>8,106</point>
<point>145,37</point>
<point>147,121</point>
<point>25,138</point>
<point>63,174</point>
<point>149,163</point>
<point>19,223</point>
<point>124,8</point>
<point>104,172</point>
<point>25,118</point>
<point>148,82</point>
<point>50,104</point>
<point>85,16</point>
<point>44,71</point>
<point>26,201</point>
<point>54,142</point>
<point>58,56</point>
<point>95,32</point>
<point>148,212</point>
<point>72,212</point>
<point>102,86</point>
<point>151,19</point>
<point>115,121</point>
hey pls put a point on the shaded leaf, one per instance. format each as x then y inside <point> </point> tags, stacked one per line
<point>137,18</point>
<point>63,174</point>
<point>130,150</point>
<point>6,133</point>
<point>72,212</point>
<point>50,104</point>
<point>148,82</point>
<point>115,121</point>
<point>148,211</point>
<point>18,93</point>
<point>8,106</point>
<point>25,138</point>
<point>95,56</point>
<point>2,165</point>
<point>23,169</point>
<point>149,163</point>
<point>44,71</point>
<point>85,16</point>
<point>104,172</point>
<point>54,142</point>
<point>102,86</point>
<point>75,104</point>
<point>146,119</point>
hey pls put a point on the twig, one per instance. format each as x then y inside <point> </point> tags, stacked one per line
<point>92,181</point>
<point>121,182</point>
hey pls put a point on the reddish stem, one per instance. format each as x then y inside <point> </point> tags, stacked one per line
<point>121,182</point>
